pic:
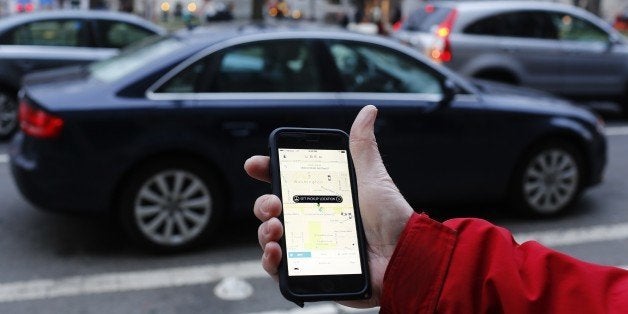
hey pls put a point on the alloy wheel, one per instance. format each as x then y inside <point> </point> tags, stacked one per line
<point>173,207</point>
<point>550,180</point>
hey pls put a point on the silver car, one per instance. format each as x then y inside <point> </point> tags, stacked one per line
<point>558,48</point>
<point>49,39</point>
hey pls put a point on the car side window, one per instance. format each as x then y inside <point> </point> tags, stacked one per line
<point>522,24</point>
<point>64,32</point>
<point>576,29</point>
<point>376,69</point>
<point>186,81</point>
<point>117,34</point>
<point>266,66</point>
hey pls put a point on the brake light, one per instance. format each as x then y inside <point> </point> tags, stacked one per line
<point>441,49</point>
<point>442,32</point>
<point>442,52</point>
<point>38,123</point>
<point>397,25</point>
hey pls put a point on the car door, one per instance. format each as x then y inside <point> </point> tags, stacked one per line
<point>45,44</point>
<point>592,64</point>
<point>433,153</point>
<point>240,93</point>
<point>523,42</point>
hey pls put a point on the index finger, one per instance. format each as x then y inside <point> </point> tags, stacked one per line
<point>258,167</point>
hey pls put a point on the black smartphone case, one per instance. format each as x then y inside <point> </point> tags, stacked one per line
<point>297,298</point>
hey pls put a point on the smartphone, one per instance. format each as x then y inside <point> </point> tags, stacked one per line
<point>324,247</point>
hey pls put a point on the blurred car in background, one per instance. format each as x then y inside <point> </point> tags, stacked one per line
<point>158,134</point>
<point>554,47</point>
<point>35,41</point>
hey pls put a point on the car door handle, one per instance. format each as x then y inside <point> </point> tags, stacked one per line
<point>240,128</point>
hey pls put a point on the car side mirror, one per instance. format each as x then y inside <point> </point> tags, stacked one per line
<point>450,89</point>
<point>613,40</point>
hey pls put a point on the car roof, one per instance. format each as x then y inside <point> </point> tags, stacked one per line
<point>242,32</point>
<point>220,31</point>
<point>501,5</point>
<point>230,33</point>
<point>17,19</point>
<point>479,9</point>
<point>245,31</point>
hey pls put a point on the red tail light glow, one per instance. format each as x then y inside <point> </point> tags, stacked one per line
<point>38,123</point>
<point>441,49</point>
<point>442,32</point>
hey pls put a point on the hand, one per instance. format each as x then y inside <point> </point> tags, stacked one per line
<point>384,210</point>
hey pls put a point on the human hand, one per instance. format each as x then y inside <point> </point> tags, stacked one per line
<point>383,209</point>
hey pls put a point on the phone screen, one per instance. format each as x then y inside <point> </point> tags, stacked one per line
<point>319,218</point>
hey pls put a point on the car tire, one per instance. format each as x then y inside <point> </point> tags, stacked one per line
<point>170,205</point>
<point>8,115</point>
<point>548,180</point>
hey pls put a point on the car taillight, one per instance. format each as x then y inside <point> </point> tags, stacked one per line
<point>441,49</point>
<point>38,123</point>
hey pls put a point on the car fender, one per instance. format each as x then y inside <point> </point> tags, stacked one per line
<point>568,125</point>
<point>573,132</point>
<point>169,145</point>
<point>492,62</point>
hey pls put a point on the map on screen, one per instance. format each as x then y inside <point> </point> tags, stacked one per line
<point>319,220</point>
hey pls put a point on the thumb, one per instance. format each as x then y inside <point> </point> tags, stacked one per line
<point>363,145</point>
<point>385,211</point>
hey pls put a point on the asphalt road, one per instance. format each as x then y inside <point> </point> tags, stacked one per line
<point>62,264</point>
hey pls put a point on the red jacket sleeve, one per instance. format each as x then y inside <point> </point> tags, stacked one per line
<point>472,266</point>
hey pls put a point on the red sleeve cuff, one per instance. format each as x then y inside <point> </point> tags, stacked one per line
<point>416,272</point>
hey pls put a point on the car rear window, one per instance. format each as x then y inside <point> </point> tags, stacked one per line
<point>136,56</point>
<point>424,18</point>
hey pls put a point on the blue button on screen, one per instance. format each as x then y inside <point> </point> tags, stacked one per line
<point>300,254</point>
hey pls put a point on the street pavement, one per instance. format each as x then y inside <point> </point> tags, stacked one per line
<point>64,264</point>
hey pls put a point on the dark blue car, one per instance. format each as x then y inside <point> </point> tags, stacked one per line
<point>158,135</point>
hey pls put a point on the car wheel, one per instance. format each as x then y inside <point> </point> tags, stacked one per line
<point>170,205</point>
<point>8,115</point>
<point>548,180</point>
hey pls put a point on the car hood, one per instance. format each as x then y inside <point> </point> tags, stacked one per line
<point>504,97</point>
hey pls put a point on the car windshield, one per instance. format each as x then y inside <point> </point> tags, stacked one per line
<point>424,18</point>
<point>134,57</point>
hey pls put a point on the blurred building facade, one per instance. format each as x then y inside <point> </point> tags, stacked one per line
<point>375,11</point>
